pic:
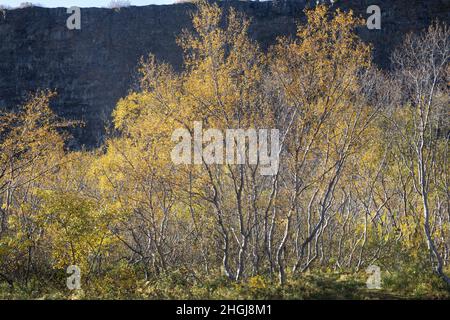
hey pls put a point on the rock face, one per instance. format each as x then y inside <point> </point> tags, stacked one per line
<point>93,67</point>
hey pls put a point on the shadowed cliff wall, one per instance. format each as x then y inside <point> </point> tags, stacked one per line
<point>93,67</point>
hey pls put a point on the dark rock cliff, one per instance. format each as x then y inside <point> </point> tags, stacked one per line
<point>93,67</point>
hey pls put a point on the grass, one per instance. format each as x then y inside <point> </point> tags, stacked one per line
<point>316,286</point>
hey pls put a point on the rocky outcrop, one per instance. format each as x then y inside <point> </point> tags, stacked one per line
<point>93,67</point>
